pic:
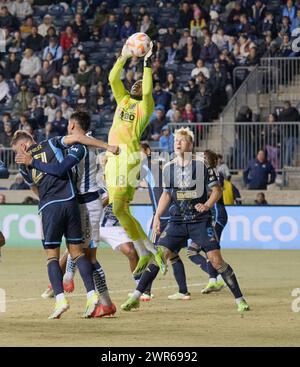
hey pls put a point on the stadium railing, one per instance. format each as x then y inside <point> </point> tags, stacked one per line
<point>7,156</point>
<point>280,140</point>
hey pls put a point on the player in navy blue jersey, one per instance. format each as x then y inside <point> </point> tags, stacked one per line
<point>220,218</point>
<point>186,180</point>
<point>84,170</point>
<point>60,214</point>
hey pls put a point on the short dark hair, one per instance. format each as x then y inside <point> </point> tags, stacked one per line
<point>83,119</point>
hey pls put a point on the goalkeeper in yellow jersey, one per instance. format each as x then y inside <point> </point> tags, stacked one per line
<point>132,115</point>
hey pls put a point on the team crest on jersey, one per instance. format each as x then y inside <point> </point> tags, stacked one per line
<point>163,235</point>
<point>210,232</point>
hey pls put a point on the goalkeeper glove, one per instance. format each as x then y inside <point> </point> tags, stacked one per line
<point>147,57</point>
<point>125,54</point>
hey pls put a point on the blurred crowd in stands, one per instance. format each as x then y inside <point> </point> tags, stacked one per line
<point>55,58</point>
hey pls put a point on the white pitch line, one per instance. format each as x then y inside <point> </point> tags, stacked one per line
<point>111,292</point>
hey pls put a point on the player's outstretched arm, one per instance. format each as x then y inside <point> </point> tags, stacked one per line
<point>147,90</point>
<point>114,77</point>
<point>163,204</point>
<point>86,140</point>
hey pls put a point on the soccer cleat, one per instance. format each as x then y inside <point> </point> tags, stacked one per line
<point>180,296</point>
<point>60,307</point>
<point>91,305</point>
<point>130,304</point>
<point>243,306</point>
<point>104,311</point>
<point>48,292</point>
<point>146,297</point>
<point>69,286</point>
<point>142,264</point>
<point>160,260</point>
<point>213,287</point>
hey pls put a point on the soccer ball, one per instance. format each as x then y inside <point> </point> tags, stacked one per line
<point>138,44</point>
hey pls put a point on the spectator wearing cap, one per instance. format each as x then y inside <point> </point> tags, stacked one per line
<point>54,49</point>
<point>171,36</point>
<point>147,26</point>
<point>166,140</point>
<point>157,124</point>
<point>84,74</point>
<point>181,98</point>
<point>7,20</point>
<point>161,98</point>
<point>47,23</point>
<point>127,30</point>
<point>188,114</point>
<point>30,64</point>
<point>22,100</point>
<point>21,9</point>
<point>185,15</point>
<point>81,28</point>
<point>66,79</point>
<point>190,52</point>
<point>5,97</point>
<point>57,127</point>
<point>296,21</point>
<point>34,41</point>
<point>19,183</point>
<point>111,30</point>
<point>289,10</point>
<point>67,38</point>
<point>197,23</point>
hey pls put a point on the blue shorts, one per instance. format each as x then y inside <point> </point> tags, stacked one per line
<point>61,219</point>
<point>176,236</point>
<point>154,237</point>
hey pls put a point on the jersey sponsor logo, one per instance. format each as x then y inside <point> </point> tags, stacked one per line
<point>36,149</point>
<point>127,116</point>
<point>186,195</point>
